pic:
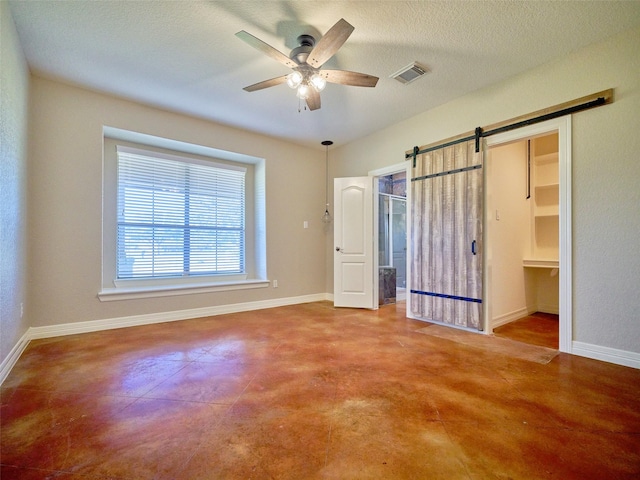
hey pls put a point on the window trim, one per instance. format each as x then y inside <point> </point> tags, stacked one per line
<point>255,209</point>
<point>129,293</point>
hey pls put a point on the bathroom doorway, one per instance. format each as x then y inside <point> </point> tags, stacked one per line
<point>392,237</point>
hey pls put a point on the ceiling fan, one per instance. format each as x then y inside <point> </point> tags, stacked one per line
<point>306,61</point>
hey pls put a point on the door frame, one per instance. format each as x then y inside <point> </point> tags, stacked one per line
<point>562,125</point>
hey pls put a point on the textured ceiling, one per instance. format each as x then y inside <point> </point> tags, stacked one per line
<point>184,56</point>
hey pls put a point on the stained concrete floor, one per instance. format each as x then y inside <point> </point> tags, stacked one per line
<point>310,392</point>
<point>536,329</point>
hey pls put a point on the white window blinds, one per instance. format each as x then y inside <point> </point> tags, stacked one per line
<point>178,217</point>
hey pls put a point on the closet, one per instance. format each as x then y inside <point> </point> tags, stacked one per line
<point>523,228</point>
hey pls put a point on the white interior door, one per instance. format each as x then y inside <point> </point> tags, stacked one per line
<point>353,259</point>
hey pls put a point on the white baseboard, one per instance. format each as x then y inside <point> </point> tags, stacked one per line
<point>111,323</point>
<point>161,317</point>
<point>11,359</point>
<point>606,354</point>
<point>509,317</point>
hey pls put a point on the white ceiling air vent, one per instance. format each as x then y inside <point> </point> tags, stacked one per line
<point>410,73</point>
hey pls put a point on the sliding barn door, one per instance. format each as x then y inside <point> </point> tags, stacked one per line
<point>446,242</point>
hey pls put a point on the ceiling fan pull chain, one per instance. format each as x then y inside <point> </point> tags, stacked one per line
<point>300,105</point>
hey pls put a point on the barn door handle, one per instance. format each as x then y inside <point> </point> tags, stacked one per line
<point>473,247</point>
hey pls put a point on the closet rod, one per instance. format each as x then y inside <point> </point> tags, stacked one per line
<point>584,103</point>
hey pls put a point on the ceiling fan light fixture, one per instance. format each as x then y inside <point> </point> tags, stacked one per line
<point>294,79</point>
<point>303,91</point>
<point>318,82</point>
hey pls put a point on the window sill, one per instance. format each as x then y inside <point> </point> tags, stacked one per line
<point>131,293</point>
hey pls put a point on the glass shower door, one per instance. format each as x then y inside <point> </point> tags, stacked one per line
<point>393,236</point>
<point>399,239</point>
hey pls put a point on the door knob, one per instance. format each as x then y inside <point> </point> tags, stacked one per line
<point>337,249</point>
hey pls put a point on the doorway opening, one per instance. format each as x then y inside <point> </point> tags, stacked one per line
<point>392,237</point>
<point>523,221</point>
<point>527,235</point>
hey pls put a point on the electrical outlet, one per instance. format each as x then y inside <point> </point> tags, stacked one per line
<point>21,309</point>
<point>275,284</point>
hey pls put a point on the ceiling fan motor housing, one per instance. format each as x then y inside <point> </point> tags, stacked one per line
<point>301,53</point>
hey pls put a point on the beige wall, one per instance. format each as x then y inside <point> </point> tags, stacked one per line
<point>65,195</point>
<point>606,169</point>
<point>14,84</point>
<point>514,290</point>
<point>507,238</point>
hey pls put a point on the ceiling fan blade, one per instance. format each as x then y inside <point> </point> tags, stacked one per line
<point>330,43</point>
<point>266,49</point>
<point>266,84</point>
<point>344,77</point>
<point>313,100</point>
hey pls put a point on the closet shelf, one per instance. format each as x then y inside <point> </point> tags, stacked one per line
<point>534,263</point>
<point>547,158</point>
<point>549,186</point>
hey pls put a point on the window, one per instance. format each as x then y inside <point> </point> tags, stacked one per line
<point>178,217</point>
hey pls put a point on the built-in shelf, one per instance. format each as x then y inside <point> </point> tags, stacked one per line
<point>545,194</point>
<point>546,158</point>
<point>551,213</point>
<point>550,187</point>
<point>536,263</point>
